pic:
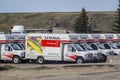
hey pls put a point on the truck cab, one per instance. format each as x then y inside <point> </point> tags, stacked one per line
<point>100,47</point>
<point>96,53</point>
<point>113,46</point>
<point>11,52</point>
<point>74,52</point>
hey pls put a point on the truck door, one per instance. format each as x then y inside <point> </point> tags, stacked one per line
<point>6,52</point>
<point>69,52</point>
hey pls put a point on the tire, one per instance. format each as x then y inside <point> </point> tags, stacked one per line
<point>40,60</point>
<point>79,60</point>
<point>104,58</point>
<point>16,60</point>
<point>23,61</point>
<point>115,54</point>
<point>2,61</point>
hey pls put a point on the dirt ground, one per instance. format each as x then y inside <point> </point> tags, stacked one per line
<point>108,72</point>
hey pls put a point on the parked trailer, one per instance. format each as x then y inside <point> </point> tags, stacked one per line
<point>55,47</point>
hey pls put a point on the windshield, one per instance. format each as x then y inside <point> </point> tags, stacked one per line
<point>114,45</point>
<point>88,47</point>
<point>15,46</point>
<point>23,45</point>
<point>117,44</point>
<point>94,46</point>
<point>106,45</point>
<point>78,47</point>
<point>100,46</point>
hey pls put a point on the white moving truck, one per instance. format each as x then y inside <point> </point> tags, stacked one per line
<point>96,53</point>
<point>9,50</point>
<point>55,47</point>
<point>84,39</point>
<point>111,43</point>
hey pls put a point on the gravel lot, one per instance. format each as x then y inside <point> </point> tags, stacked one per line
<point>87,71</point>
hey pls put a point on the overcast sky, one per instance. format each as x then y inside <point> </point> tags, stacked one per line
<point>11,6</point>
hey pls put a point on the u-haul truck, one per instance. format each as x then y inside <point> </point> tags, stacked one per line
<point>100,38</point>
<point>55,47</point>
<point>93,40</point>
<point>111,43</point>
<point>84,39</point>
<point>9,50</point>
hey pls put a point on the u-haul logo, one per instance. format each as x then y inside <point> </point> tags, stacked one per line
<point>52,37</point>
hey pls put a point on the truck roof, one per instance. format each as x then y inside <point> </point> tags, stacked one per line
<point>12,37</point>
<point>55,36</point>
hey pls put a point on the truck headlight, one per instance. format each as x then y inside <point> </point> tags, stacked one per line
<point>95,54</point>
<point>90,55</point>
<point>86,55</point>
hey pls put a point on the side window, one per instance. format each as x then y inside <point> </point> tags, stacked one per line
<point>8,48</point>
<point>94,46</point>
<point>71,48</point>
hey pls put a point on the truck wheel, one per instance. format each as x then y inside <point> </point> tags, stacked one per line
<point>79,60</point>
<point>40,60</point>
<point>115,54</point>
<point>104,58</point>
<point>16,60</point>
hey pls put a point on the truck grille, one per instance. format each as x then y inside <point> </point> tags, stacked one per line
<point>99,54</point>
<point>111,53</point>
<point>90,55</point>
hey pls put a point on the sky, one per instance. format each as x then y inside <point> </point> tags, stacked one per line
<point>17,6</point>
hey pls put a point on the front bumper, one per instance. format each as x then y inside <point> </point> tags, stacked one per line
<point>98,56</point>
<point>89,57</point>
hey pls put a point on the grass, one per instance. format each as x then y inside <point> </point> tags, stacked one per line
<point>104,20</point>
<point>6,67</point>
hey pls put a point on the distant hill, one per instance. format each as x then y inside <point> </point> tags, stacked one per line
<point>103,20</point>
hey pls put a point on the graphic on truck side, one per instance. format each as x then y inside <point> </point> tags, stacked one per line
<point>74,57</point>
<point>35,44</point>
<point>10,56</point>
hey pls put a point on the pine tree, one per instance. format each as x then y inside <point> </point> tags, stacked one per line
<point>116,26</point>
<point>81,23</point>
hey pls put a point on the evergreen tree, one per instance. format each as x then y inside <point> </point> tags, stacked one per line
<point>81,23</point>
<point>116,26</point>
